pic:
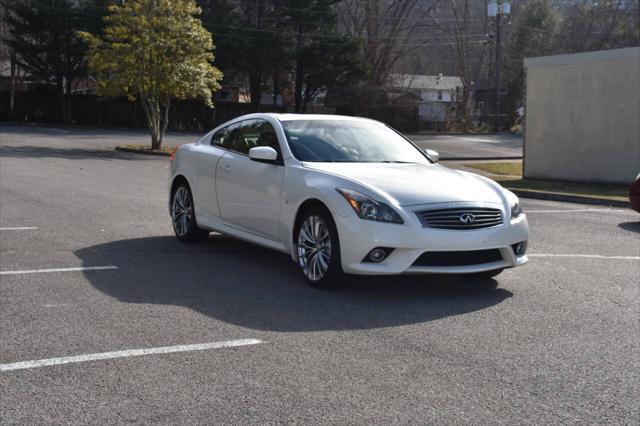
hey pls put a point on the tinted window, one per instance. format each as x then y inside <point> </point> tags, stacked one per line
<point>243,136</point>
<point>348,141</point>
<point>259,133</point>
<point>221,137</point>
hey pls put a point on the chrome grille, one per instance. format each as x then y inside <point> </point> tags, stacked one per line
<point>454,218</point>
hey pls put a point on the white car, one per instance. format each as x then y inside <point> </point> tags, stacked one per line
<point>343,195</point>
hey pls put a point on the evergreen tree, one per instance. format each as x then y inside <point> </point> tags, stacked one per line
<point>43,36</point>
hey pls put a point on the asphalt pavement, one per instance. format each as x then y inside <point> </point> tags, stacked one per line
<point>555,341</point>
<point>462,147</point>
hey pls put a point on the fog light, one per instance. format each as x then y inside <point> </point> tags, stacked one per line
<point>520,248</point>
<point>378,254</point>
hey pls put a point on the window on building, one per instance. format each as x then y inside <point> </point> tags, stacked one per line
<point>439,95</point>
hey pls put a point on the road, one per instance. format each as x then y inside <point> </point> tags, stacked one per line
<point>556,341</point>
<point>453,147</point>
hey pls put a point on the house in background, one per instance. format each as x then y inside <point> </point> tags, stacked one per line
<point>436,95</point>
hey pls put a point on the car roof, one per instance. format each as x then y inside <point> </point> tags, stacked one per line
<point>294,117</point>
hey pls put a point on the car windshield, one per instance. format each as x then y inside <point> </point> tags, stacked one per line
<point>349,141</point>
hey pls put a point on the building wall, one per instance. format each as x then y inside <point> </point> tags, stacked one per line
<point>433,111</point>
<point>432,95</point>
<point>583,116</point>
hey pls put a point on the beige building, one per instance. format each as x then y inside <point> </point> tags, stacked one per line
<point>583,116</point>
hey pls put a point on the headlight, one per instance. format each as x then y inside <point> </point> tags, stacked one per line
<point>516,210</point>
<point>369,209</point>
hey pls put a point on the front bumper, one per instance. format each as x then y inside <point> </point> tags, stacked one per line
<point>358,237</point>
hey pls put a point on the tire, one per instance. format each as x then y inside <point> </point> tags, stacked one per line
<point>183,216</point>
<point>487,274</point>
<point>317,245</point>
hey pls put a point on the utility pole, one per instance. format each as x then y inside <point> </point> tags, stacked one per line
<point>498,8</point>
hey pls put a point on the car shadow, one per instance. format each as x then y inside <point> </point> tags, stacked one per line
<point>256,288</point>
<point>630,226</point>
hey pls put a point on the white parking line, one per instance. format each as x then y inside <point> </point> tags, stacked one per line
<point>126,353</point>
<point>462,138</point>
<point>586,256</point>
<point>42,271</point>
<point>19,228</point>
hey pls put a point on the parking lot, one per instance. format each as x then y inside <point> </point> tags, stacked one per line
<point>463,147</point>
<point>106,318</point>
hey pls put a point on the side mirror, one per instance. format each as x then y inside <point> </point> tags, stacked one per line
<point>435,157</point>
<point>263,154</point>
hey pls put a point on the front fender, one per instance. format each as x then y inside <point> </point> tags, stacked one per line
<point>303,184</point>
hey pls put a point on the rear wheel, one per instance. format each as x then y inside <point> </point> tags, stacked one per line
<point>318,249</point>
<point>183,216</point>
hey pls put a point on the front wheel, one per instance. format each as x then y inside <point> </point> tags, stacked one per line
<point>318,249</point>
<point>183,216</point>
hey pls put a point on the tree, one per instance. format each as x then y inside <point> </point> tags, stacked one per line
<point>389,30</point>
<point>253,41</point>
<point>596,25</point>
<point>41,37</point>
<point>272,40</point>
<point>532,33</point>
<point>154,50</point>
<point>330,61</point>
<point>467,33</point>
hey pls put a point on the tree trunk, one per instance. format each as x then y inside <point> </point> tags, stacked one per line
<point>12,86</point>
<point>67,101</point>
<point>151,108</point>
<point>299,72</point>
<point>306,98</point>
<point>164,120</point>
<point>276,87</point>
<point>58,111</point>
<point>66,115</point>
<point>255,89</point>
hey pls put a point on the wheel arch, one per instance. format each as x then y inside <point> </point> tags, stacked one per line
<point>302,208</point>
<point>177,180</point>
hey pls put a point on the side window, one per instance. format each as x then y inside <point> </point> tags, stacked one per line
<point>261,133</point>
<point>224,137</point>
<point>247,137</point>
<point>220,137</point>
<point>243,136</point>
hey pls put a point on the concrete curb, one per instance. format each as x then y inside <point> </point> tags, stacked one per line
<point>143,151</point>
<point>579,199</point>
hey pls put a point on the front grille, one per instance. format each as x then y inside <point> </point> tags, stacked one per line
<point>452,218</point>
<point>458,258</point>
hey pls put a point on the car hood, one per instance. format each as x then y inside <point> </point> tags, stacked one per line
<point>414,184</point>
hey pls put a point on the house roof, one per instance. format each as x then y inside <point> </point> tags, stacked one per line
<point>417,81</point>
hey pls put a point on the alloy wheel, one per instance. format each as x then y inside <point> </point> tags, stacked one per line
<point>314,248</point>
<point>182,211</point>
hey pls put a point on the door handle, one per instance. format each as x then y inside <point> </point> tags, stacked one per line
<point>225,167</point>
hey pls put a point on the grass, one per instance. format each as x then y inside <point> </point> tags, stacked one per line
<point>503,168</point>
<point>509,174</point>
<point>164,148</point>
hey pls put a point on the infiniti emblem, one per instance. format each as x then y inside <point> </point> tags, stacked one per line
<point>467,218</point>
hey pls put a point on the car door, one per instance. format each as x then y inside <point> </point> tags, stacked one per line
<point>249,192</point>
<point>205,164</point>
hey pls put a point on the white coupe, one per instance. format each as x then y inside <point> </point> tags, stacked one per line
<point>343,195</point>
